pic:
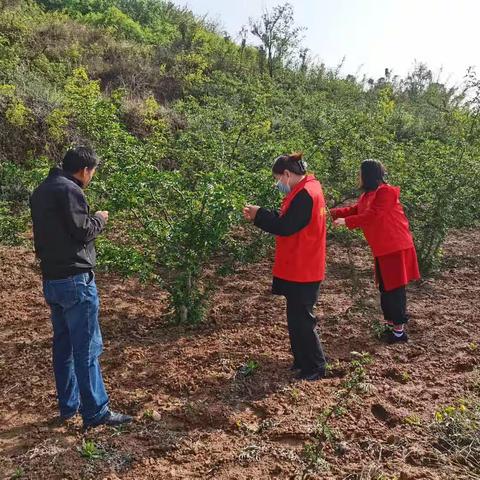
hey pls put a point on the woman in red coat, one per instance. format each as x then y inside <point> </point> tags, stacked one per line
<point>380,215</point>
<point>299,265</point>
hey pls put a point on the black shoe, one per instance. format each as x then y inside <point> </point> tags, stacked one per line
<point>112,419</point>
<point>66,418</point>
<point>311,377</point>
<point>61,420</point>
<point>390,337</point>
<point>294,368</point>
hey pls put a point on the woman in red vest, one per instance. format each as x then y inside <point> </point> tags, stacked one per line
<point>380,215</point>
<point>299,265</point>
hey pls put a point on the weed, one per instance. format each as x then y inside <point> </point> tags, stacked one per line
<point>91,451</point>
<point>314,458</point>
<point>331,367</point>
<point>249,368</point>
<point>119,430</point>
<point>148,414</point>
<point>17,474</point>
<point>378,328</point>
<point>457,430</point>
<point>245,427</point>
<point>413,420</point>
<point>267,424</point>
<point>295,394</point>
<point>473,346</point>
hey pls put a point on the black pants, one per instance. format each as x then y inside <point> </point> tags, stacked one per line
<point>306,347</point>
<point>393,303</point>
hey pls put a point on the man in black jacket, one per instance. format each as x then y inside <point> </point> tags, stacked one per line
<point>64,234</point>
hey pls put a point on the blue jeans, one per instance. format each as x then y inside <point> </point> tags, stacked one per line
<point>77,344</point>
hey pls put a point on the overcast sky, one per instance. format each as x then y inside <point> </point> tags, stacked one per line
<point>372,34</point>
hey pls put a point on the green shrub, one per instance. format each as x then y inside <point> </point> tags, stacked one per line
<point>12,225</point>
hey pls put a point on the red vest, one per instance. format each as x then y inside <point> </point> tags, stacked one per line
<point>301,257</point>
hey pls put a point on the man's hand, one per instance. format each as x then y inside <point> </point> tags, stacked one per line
<point>103,214</point>
<point>339,222</point>
<point>250,212</point>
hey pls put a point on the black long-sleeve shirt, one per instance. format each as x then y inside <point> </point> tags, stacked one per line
<point>296,218</point>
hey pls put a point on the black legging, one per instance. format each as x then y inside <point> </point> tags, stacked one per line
<point>393,302</point>
<point>306,347</point>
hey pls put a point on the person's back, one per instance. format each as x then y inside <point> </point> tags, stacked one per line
<point>63,235</point>
<point>381,217</point>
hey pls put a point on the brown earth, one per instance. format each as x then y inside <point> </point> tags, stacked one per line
<point>197,417</point>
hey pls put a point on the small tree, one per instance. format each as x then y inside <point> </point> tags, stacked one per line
<point>278,35</point>
<point>179,229</point>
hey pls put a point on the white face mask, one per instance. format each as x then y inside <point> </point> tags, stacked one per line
<point>283,188</point>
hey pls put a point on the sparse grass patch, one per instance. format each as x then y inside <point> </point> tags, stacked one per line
<point>457,429</point>
<point>356,383</point>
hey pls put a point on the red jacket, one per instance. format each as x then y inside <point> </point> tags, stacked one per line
<point>301,257</point>
<point>381,217</point>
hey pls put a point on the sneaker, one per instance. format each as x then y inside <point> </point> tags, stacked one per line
<point>112,419</point>
<point>390,337</point>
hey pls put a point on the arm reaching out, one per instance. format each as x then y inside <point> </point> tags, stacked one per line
<point>343,212</point>
<point>295,218</point>
<point>384,199</point>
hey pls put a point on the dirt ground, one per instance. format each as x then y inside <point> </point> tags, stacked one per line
<point>197,417</point>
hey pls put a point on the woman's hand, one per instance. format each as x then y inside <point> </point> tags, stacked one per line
<point>339,222</point>
<point>250,212</point>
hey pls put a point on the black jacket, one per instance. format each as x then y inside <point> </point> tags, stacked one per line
<point>63,229</point>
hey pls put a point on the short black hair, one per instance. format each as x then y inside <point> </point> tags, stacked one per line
<point>292,162</point>
<point>373,174</point>
<point>78,158</point>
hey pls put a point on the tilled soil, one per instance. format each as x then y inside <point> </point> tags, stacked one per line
<point>198,416</point>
